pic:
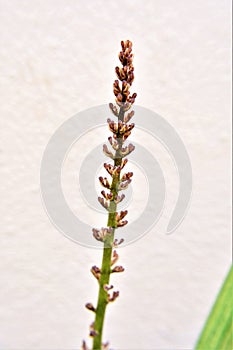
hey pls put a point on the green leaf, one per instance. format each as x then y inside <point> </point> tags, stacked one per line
<point>218,330</point>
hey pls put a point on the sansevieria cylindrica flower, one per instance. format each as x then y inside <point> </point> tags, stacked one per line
<point>117,181</point>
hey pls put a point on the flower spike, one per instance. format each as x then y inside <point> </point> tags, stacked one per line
<point>121,128</point>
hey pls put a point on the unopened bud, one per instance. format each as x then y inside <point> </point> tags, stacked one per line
<point>90,307</point>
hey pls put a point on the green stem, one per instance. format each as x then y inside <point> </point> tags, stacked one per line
<point>107,253</point>
<point>103,296</point>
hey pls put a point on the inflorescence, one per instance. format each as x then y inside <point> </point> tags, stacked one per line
<point>111,195</point>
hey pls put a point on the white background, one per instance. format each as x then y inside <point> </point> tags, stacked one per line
<point>57,58</point>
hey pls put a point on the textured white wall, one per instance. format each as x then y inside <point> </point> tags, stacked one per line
<point>58,58</point>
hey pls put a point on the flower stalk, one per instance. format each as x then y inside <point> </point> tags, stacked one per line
<point>121,130</point>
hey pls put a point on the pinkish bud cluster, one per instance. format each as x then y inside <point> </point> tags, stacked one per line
<point>119,198</point>
<point>125,74</point>
<point>124,185</point>
<point>119,218</point>
<point>102,234</point>
<point>112,169</point>
<point>125,151</point>
<point>104,182</point>
<point>127,176</point>
<point>119,128</point>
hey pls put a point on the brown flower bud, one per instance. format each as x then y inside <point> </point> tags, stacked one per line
<point>113,127</point>
<point>126,135</point>
<point>117,242</point>
<point>93,333</point>
<point>104,203</point>
<point>113,297</point>
<point>127,150</point>
<point>111,169</point>
<point>119,198</point>
<point>121,215</point>
<point>119,99</point>
<point>116,88</point>
<point>124,128</point>
<point>127,176</point>
<point>113,109</point>
<point>122,223</point>
<point>104,182</point>
<point>131,99</point>
<point>90,307</point>
<point>124,162</point>
<point>96,272</point>
<point>124,185</point>
<point>101,235</point>
<point>118,269</point>
<point>107,196</point>
<point>121,73</point>
<point>128,116</point>
<point>107,288</point>
<point>125,88</point>
<point>115,257</point>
